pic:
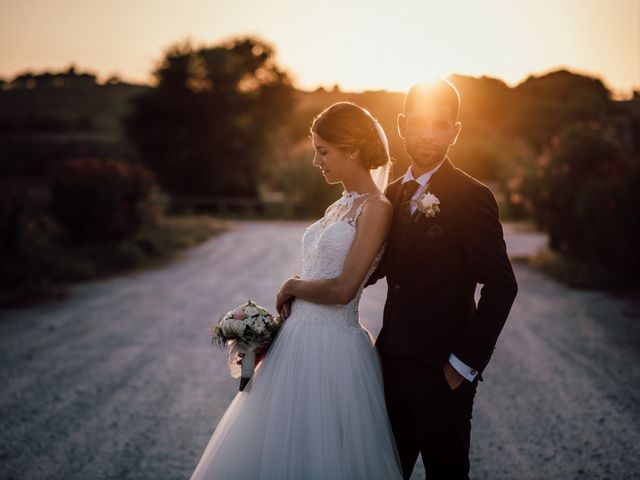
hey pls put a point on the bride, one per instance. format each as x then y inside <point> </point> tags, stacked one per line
<point>315,407</point>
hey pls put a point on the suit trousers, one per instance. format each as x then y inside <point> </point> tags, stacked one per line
<point>428,418</point>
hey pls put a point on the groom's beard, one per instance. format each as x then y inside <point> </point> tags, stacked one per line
<point>425,155</point>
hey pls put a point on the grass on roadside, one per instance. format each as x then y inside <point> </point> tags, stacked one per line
<point>580,274</point>
<point>51,259</point>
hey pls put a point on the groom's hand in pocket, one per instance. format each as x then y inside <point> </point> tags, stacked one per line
<point>452,376</point>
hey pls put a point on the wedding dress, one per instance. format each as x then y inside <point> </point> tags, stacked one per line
<point>315,407</point>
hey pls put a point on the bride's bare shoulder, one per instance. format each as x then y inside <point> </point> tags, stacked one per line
<point>378,204</point>
<point>379,200</point>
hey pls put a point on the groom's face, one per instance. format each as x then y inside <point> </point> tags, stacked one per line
<point>428,130</point>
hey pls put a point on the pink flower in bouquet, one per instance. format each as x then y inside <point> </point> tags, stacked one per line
<point>238,314</point>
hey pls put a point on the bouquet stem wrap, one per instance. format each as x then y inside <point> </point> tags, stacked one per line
<point>246,354</point>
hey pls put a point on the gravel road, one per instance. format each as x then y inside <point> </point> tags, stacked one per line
<point>120,381</point>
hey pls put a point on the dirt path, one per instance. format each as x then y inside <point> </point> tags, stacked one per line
<point>120,381</point>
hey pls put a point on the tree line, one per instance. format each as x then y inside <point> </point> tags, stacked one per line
<point>226,121</point>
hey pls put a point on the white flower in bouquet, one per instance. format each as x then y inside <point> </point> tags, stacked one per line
<point>259,325</point>
<point>238,327</point>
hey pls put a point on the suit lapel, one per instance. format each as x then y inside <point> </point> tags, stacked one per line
<point>393,194</point>
<point>439,185</point>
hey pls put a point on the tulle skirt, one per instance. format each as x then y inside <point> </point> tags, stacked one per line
<point>314,409</point>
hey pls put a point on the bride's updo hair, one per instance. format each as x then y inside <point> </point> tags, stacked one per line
<point>351,127</point>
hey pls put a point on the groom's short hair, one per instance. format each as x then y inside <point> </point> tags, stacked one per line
<point>441,92</point>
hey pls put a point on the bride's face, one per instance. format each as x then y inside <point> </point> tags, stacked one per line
<point>334,162</point>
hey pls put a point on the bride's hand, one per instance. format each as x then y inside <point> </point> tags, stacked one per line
<point>284,299</point>
<point>286,309</point>
<point>283,304</point>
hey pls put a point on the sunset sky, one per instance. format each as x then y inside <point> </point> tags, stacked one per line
<point>356,44</point>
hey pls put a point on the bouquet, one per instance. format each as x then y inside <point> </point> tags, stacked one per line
<point>245,329</point>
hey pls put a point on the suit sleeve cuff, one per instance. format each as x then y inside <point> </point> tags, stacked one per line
<point>462,368</point>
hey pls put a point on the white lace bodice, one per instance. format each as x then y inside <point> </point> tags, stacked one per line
<point>325,246</point>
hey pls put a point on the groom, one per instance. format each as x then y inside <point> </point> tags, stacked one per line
<point>435,341</point>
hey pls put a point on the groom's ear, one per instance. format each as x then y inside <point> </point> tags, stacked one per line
<point>402,125</point>
<point>456,128</point>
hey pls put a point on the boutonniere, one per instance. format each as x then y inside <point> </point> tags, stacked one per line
<point>429,205</point>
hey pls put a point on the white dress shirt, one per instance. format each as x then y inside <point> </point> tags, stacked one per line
<point>423,180</point>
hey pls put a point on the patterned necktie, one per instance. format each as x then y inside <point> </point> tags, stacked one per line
<point>404,215</point>
<point>408,191</point>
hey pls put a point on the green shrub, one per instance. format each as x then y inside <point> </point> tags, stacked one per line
<point>584,191</point>
<point>101,200</point>
<point>16,215</point>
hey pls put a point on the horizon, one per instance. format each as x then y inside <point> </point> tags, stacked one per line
<point>509,41</point>
<point>102,80</point>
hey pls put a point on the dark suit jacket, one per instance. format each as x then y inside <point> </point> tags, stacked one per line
<point>432,274</point>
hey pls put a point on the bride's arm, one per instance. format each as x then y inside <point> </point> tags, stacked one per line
<point>373,225</point>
